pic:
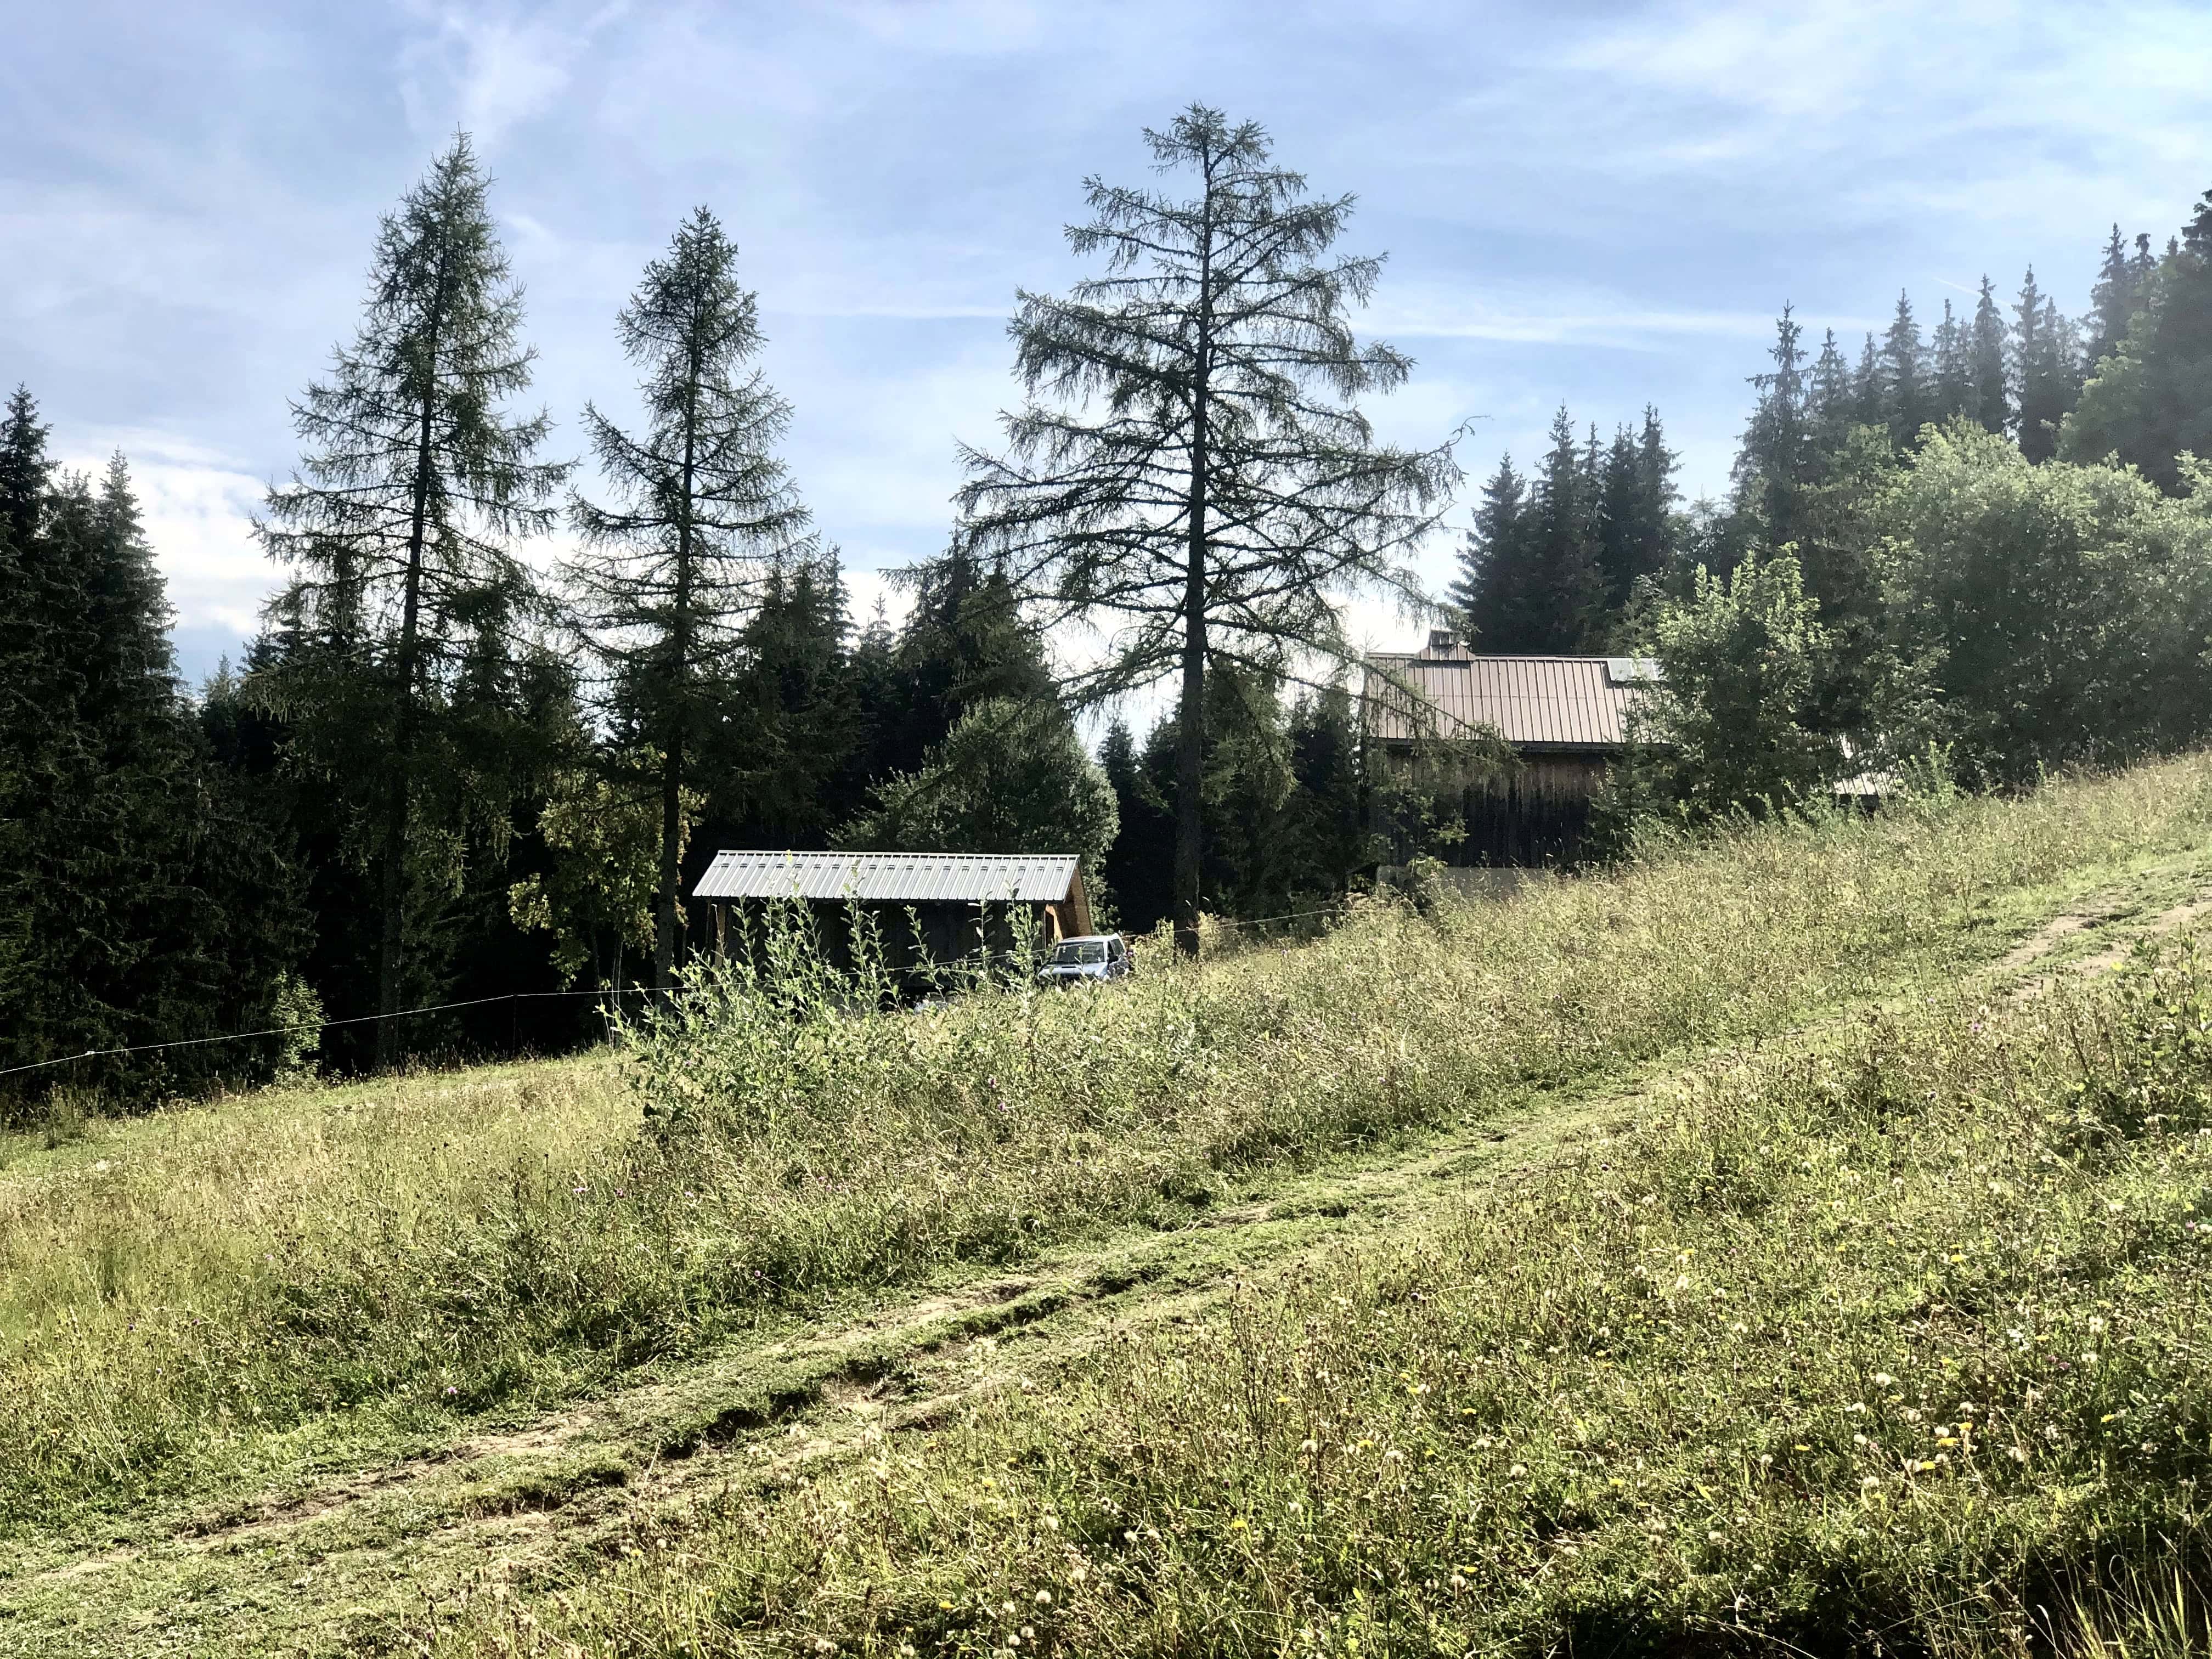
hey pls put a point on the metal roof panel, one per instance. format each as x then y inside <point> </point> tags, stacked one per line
<point>1564,703</point>
<point>891,877</point>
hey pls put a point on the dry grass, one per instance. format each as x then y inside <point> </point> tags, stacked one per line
<point>299,1264</point>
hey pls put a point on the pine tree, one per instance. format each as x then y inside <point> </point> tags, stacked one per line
<point>1652,548</point>
<point>1870,406</point>
<point>1904,397</point>
<point>2111,301</point>
<point>793,726</point>
<point>1952,391</point>
<point>411,492</point>
<point>2044,354</point>
<point>1564,602</point>
<point>134,906</point>
<point>1772,461</point>
<point>700,509</point>
<point>1991,404</point>
<point>1204,482</point>
<point>1829,400</point>
<point>1490,595</point>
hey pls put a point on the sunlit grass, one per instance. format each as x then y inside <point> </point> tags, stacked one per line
<point>1891,1341</point>
<point>453,1243</point>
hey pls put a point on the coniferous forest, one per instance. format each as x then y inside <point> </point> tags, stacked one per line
<point>453,768</point>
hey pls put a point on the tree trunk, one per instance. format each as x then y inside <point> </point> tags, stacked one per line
<point>1190,718</point>
<point>671,760</point>
<point>393,944</point>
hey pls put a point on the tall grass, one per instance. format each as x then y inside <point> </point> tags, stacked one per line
<point>230,1276</point>
<point>1892,1342</point>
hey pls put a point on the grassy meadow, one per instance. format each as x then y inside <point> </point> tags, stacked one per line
<point>1502,1427</point>
<point>1891,1340</point>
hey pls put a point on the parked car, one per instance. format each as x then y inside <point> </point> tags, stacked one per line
<point>1092,956</point>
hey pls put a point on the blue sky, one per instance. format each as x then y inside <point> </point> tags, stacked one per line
<point>1600,203</point>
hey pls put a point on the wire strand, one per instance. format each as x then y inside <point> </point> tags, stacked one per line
<point>324,1025</point>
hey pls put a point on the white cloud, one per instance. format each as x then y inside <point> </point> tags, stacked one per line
<point>489,70</point>
<point>198,507</point>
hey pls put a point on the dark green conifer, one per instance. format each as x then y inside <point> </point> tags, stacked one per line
<point>1905,394</point>
<point>701,511</point>
<point>1952,386</point>
<point>413,486</point>
<point>1489,595</point>
<point>1992,402</point>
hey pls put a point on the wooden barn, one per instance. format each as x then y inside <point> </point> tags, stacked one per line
<point>1564,720</point>
<point>929,908</point>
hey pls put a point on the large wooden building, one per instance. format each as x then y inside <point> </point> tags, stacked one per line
<point>1563,720</point>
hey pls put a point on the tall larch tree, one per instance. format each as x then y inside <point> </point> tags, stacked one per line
<point>1193,470</point>
<point>700,511</point>
<point>413,488</point>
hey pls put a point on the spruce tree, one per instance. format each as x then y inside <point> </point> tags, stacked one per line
<point>412,490</point>
<point>1952,389</point>
<point>1774,460</point>
<point>1563,605</point>
<point>1620,524</point>
<point>966,641</point>
<point>2152,401</point>
<point>2111,301</point>
<point>1828,400</point>
<point>700,509</point>
<point>781,773</point>
<point>135,906</point>
<point>1905,395</point>
<point>1652,548</point>
<point>2044,354</point>
<point>1870,404</point>
<point>1489,597</point>
<point>1193,470</point>
<point>1992,403</point>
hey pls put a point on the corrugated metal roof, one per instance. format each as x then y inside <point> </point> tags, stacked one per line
<point>1534,702</point>
<point>891,877</point>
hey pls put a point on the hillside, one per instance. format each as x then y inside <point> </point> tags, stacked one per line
<point>1776,1241</point>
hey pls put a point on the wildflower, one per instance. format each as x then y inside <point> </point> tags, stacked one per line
<point>1867,1482</point>
<point>1045,1598</point>
<point>1883,1379</point>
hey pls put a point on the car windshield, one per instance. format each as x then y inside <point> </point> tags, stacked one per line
<point>1085,952</point>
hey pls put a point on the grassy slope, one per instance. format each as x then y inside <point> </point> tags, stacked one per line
<point>1577,987</point>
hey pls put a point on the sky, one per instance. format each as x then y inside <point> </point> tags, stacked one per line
<point>1602,205</point>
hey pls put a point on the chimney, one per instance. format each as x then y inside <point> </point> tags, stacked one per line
<point>1443,642</point>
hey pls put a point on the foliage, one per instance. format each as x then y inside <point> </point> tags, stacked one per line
<point>1193,471</point>
<point>400,524</point>
<point>2064,609</point>
<point>140,901</point>
<point>1011,777</point>
<point>702,508</point>
<point>235,1282</point>
<point>1736,721</point>
<point>597,900</point>
<point>1845,1348</point>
